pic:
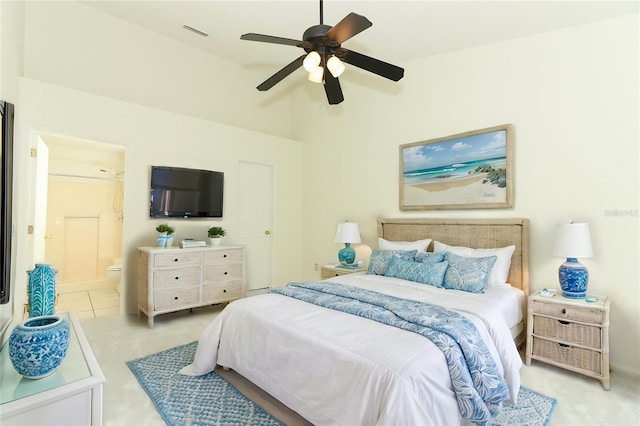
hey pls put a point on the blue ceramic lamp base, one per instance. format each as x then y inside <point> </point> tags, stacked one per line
<point>574,279</point>
<point>347,255</point>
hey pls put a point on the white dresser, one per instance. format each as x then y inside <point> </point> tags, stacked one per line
<point>71,396</point>
<point>171,280</point>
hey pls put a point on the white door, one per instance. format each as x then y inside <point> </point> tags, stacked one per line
<point>255,223</point>
<point>39,201</point>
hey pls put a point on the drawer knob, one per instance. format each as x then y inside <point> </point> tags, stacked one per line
<point>224,291</point>
<point>224,255</point>
<point>564,311</point>
<point>175,260</point>
<point>563,322</point>
<point>175,298</point>
<point>225,272</point>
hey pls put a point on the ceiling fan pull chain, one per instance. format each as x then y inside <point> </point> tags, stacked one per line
<point>321,14</point>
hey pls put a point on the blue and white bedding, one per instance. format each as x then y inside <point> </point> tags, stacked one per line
<point>334,367</point>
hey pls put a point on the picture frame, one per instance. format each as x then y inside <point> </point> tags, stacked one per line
<point>471,170</point>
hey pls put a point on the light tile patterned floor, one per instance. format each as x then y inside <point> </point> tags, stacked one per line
<point>88,299</point>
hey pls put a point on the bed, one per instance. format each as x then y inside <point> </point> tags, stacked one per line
<point>337,367</point>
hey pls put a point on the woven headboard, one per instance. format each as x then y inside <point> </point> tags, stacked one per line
<point>476,233</point>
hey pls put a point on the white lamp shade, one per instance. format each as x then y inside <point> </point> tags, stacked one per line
<point>573,240</point>
<point>335,66</point>
<point>311,61</point>
<point>348,232</point>
<point>316,76</point>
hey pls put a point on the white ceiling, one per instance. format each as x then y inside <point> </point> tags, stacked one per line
<point>401,31</point>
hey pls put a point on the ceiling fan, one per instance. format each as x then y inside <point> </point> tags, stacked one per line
<point>324,51</point>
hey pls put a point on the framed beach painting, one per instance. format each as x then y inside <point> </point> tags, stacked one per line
<point>469,170</point>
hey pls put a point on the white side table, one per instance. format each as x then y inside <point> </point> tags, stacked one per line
<point>570,333</point>
<point>72,395</point>
<point>328,271</point>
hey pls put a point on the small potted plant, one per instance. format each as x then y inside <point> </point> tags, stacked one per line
<point>215,234</point>
<point>165,235</point>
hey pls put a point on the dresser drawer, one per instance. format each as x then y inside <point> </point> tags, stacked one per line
<point>584,359</point>
<point>163,260</point>
<point>181,277</point>
<point>217,273</point>
<point>176,298</point>
<point>576,313</point>
<point>222,256</point>
<point>215,293</point>
<point>570,332</point>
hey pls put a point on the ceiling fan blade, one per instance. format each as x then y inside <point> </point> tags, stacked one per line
<point>280,75</point>
<point>332,89</point>
<point>350,25</point>
<point>270,39</point>
<point>373,65</point>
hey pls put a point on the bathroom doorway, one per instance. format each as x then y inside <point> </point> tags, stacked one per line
<point>84,223</point>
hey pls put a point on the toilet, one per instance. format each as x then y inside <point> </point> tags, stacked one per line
<point>114,273</point>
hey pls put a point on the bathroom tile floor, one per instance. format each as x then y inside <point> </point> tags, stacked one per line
<point>88,299</point>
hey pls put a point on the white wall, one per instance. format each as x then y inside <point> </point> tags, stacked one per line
<point>11,59</point>
<point>572,97</point>
<point>86,49</point>
<point>155,137</point>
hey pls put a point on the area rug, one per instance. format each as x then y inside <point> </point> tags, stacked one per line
<point>187,400</point>
<point>533,409</point>
<point>211,400</point>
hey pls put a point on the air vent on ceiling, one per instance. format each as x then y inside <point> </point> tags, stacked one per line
<point>194,30</point>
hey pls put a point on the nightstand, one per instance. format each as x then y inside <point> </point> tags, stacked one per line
<point>570,333</point>
<point>328,271</point>
<point>72,395</point>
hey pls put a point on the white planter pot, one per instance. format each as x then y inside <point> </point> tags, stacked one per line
<point>215,241</point>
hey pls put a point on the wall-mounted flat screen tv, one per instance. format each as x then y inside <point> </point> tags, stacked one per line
<point>181,192</point>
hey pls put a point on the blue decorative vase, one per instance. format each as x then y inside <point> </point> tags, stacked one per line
<point>346,255</point>
<point>162,240</point>
<point>38,345</point>
<point>574,279</point>
<point>41,290</point>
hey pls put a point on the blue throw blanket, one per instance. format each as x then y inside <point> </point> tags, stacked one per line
<point>480,388</point>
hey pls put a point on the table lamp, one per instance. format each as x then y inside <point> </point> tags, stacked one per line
<point>573,240</point>
<point>348,233</point>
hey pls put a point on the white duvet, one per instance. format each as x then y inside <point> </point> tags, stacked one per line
<point>334,368</point>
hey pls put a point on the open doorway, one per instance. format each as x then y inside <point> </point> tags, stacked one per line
<point>84,223</point>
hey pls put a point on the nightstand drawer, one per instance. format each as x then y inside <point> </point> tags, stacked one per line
<point>222,256</point>
<point>219,292</point>
<point>584,359</point>
<point>570,332</point>
<point>218,273</point>
<point>176,259</point>
<point>176,298</point>
<point>576,313</point>
<point>164,278</point>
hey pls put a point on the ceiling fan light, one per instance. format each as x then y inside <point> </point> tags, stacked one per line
<point>336,66</point>
<point>311,61</point>
<point>316,75</point>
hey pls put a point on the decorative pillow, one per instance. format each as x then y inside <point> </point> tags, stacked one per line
<point>420,245</point>
<point>427,257</point>
<point>467,273</point>
<point>425,273</point>
<point>500,270</point>
<point>380,259</point>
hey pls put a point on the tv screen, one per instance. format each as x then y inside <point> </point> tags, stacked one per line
<point>180,192</point>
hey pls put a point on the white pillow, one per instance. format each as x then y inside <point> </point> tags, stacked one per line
<point>500,270</point>
<point>420,245</point>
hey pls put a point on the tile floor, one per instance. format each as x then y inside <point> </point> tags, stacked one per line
<point>88,299</point>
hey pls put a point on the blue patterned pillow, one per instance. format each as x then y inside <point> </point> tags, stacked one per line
<point>381,259</point>
<point>425,273</point>
<point>468,273</point>
<point>425,257</point>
